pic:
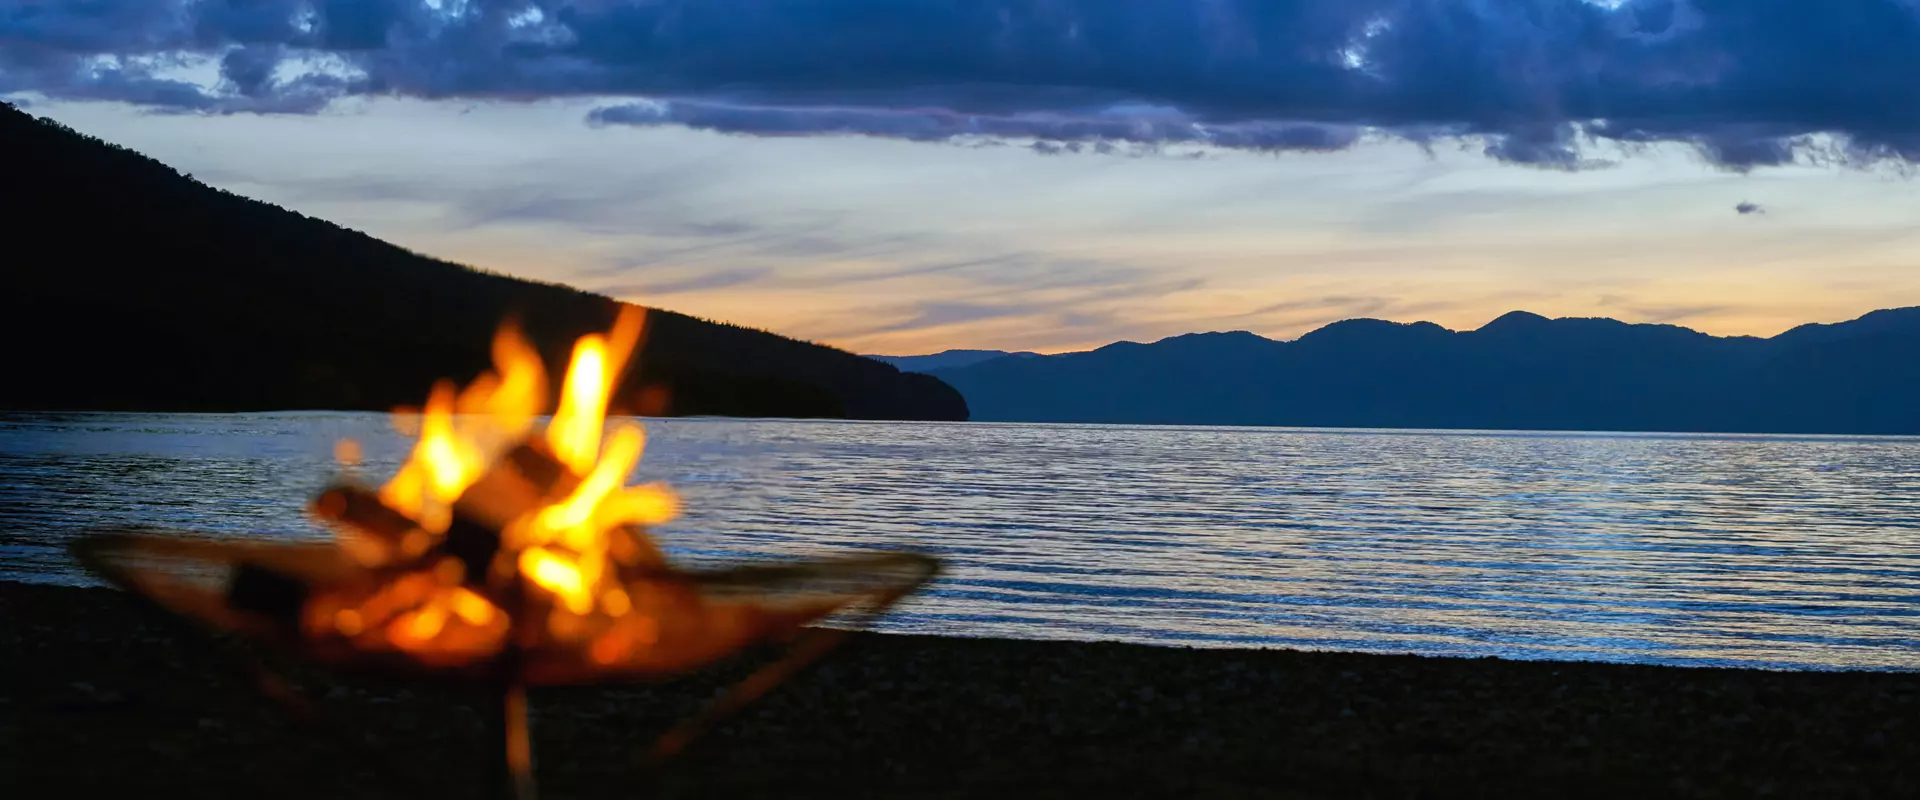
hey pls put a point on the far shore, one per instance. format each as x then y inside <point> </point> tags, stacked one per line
<point>1808,435</point>
<point>102,698</point>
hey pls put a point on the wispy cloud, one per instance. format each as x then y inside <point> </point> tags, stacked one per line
<point>1673,314</point>
<point>699,282</point>
<point>1562,84</point>
<point>1050,300</point>
<point>1300,314</point>
<point>1357,306</point>
<point>1634,310</point>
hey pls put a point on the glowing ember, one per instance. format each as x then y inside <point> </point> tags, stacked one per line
<point>493,512</point>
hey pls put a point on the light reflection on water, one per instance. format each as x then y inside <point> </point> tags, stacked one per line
<point>1783,551</point>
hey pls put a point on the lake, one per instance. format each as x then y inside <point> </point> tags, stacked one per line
<point>1787,552</point>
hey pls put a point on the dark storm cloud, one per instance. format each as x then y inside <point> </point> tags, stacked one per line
<point>1748,83</point>
<point>1057,132</point>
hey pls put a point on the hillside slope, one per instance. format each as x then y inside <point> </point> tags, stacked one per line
<point>129,286</point>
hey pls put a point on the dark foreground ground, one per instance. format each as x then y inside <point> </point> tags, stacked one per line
<point>100,699</point>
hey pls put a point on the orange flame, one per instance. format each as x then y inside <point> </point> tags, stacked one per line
<point>561,547</point>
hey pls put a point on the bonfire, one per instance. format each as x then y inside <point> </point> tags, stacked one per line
<point>507,552</point>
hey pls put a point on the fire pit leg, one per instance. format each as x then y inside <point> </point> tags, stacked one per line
<point>810,647</point>
<point>513,775</point>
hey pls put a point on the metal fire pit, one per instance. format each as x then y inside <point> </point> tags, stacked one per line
<point>506,554</point>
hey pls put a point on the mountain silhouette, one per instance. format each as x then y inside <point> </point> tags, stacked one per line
<point>130,286</point>
<point>1521,371</point>
<point>947,359</point>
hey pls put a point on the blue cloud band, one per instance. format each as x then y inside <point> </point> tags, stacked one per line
<point>1749,83</point>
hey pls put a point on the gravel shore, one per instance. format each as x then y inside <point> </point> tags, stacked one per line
<point>100,697</point>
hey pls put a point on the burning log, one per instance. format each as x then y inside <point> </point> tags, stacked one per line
<point>510,554</point>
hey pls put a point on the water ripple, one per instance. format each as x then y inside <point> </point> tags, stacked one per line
<point>1794,552</point>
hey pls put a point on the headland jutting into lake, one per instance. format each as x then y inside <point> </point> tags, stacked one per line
<point>103,699</point>
<point>183,297</point>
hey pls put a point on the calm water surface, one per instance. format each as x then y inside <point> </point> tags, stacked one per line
<point>1800,552</point>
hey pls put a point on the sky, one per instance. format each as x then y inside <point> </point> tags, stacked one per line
<point>908,176</point>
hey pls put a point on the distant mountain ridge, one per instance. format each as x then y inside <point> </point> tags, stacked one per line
<point>947,359</point>
<point>149,291</point>
<point>1521,371</point>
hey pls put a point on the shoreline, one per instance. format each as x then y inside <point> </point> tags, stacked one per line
<point>103,697</point>
<point>1809,435</point>
<point>1573,658</point>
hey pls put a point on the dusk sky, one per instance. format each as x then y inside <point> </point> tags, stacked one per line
<point>907,176</point>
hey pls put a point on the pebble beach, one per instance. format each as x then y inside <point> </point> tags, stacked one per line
<point>102,697</point>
